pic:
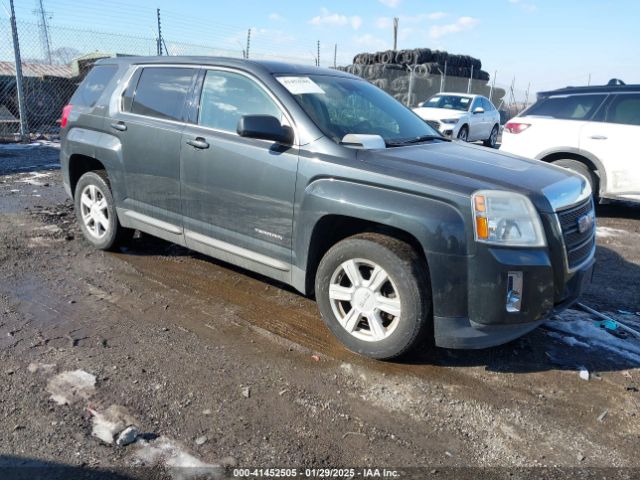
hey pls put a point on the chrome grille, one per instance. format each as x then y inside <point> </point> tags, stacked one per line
<point>578,245</point>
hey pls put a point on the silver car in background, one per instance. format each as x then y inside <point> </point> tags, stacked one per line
<point>470,118</point>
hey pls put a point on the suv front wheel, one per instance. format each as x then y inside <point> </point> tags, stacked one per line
<point>373,293</point>
<point>96,211</point>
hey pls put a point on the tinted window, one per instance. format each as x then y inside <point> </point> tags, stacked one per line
<point>624,109</point>
<point>93,85</point>
<point>161,92</point>
<point>454,102</point>
<point>227,96</point>
<point>477,103</point>
<point>574,107</point>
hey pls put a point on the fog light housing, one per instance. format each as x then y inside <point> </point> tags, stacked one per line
<point>514,292</point>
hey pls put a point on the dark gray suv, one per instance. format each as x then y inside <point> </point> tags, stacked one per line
<point>320,180</point>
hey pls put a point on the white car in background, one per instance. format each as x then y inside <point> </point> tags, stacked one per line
<point>592,130</point>
<point>467,117</point>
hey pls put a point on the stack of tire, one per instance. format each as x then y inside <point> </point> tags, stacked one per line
<point>390,71</point>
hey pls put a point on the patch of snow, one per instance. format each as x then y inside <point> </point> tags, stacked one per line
<point>181,464</point>
<point>608,232</point>
<point>29,146</point>
<point>33,178</point>
<point>41,367</point>
<point>581,325</point>
<point>70,386</point>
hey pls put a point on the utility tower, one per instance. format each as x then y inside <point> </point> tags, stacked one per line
<point>45,39</point>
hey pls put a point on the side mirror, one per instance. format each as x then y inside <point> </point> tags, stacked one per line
<point>264,127</point>
<point>478,110</point>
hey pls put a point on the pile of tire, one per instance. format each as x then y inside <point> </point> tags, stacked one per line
<point>390,71</point>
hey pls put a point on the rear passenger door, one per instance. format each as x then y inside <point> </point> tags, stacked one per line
<point>613,139</point>
<point>237,193</point>
<point>149,124</point>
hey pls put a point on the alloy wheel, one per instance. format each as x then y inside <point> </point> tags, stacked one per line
<point>365,300</point>
<point>95,213</point>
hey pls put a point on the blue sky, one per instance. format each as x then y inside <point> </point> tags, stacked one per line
<point>547,43</point>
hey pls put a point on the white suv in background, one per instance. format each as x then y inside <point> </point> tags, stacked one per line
<point>467,117</point>
<point>593,131</point>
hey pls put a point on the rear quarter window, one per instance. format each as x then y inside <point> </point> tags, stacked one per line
<point>624,109</point>
<point>572,107</point>
<point>91,88</point>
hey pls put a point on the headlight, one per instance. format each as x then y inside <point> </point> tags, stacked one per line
<point>506,218</point>
<point>450,120</point>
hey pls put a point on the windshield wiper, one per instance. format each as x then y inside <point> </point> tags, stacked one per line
<point>420,139</point>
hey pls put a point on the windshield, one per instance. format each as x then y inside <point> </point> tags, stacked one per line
<point>340,106</point>
<point>452,102</point>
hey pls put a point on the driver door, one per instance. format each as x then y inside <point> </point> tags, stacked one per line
<point>237,193</point>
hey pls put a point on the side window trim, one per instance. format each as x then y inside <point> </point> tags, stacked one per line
<point>198,97</point>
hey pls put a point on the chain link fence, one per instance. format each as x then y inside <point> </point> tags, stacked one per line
<point>53,66</point>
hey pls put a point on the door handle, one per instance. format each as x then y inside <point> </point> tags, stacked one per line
<point>598,137</point>
<point>198,142</point>
<point>119,126</point>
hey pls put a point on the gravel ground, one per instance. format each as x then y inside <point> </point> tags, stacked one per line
<point>219,368</point>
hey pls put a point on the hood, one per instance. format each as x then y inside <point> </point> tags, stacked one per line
<point>465,168</point>
<point>438,113</point>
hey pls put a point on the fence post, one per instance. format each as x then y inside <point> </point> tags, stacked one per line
<point>411,68</point>
<point>24,127</point>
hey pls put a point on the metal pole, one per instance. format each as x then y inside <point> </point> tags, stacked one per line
<point>470,77</point>
<point>159,34</point>
<point>410,85</point>
<point>248,42</point>
<point>493,84</point>
<point>589,81</point>
<point>24,127</point>
<point>45,34</point>
<point>526,97</point>
<point>335,55</point>
<point>318,53</point>
<point>395,33</point>
<point>444,82</point>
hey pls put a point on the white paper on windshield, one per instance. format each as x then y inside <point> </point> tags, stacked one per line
<point>300,85</point>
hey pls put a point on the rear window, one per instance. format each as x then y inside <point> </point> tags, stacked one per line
<point>574,107</point>
<point>93,85</point>
<point>161,92</point>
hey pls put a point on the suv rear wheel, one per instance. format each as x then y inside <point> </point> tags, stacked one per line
<point>373,293</point>
<point>582,169</point>
<point>96,211</point>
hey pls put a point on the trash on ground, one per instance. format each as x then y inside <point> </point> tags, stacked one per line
<point>127,436</point>
<point>110,422</point>
<point>584,373</point>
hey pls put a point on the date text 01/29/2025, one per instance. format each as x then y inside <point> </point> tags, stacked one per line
<point>315,473</point>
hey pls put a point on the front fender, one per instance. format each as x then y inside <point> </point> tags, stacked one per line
<point>436,225</point>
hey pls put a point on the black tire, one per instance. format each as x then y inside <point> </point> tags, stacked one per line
<point>463,133</point>
<point>493,137</point>
<point>584,170</point>
<point>409,276</point>
<point>114,235</point>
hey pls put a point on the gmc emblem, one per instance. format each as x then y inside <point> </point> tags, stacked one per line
<point>585,223</point>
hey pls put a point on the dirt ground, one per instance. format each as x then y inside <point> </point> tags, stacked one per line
<point>219,368</point>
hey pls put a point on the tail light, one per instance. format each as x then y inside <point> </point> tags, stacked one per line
<point>66,110</point>
<point>516,127</point>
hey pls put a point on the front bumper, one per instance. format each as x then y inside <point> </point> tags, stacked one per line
<point>488,323</point>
